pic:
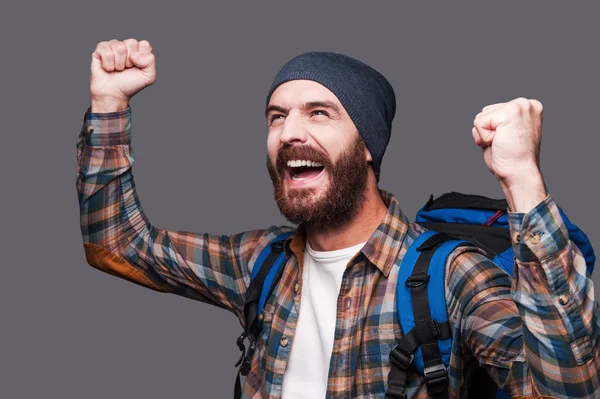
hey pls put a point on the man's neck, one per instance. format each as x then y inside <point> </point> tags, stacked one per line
<point>356,231</point>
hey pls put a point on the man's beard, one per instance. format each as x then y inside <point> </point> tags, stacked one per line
<point>344,193</point>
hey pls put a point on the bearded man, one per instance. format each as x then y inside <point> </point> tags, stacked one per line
<point>331,321</point>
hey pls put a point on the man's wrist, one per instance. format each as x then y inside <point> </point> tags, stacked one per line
<point>108,104</point>
<point>524,192</point>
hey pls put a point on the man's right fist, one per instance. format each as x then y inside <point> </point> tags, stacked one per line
<point>119,70</point>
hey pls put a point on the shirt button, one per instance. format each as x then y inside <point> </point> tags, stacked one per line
<point>535,238</point>
<point>284,341</point>
<point>297,287</point>
<point>517,238</point>
<point>563,299</point>
<point>90,129</point>
<point>261,317</point>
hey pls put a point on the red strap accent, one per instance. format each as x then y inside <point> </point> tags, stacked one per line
<point>494,218</point>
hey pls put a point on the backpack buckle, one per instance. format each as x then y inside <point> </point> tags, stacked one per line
<point>277,246</point>
<point>436,379</point>
<point>417,280</point>
<point>245,358</point>
<point>401,359</point>
<point>240,341</point>
<point>245,369</point>
<point>242,347</point>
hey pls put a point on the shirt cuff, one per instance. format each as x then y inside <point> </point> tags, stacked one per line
<point>538,234</point>
<point>107,129</point>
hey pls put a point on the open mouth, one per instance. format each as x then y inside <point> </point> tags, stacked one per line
<point>304,170</point>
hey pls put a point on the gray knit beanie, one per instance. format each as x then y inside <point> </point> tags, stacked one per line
<point>366,94</point>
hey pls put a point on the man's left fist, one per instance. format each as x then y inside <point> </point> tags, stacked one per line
<point>510,135</point>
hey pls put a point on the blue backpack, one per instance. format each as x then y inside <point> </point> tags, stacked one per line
<point>452,220</point>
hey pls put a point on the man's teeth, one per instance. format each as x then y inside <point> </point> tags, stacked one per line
<point>298,163</point>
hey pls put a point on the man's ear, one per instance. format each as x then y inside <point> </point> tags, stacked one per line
<point>368,156</point>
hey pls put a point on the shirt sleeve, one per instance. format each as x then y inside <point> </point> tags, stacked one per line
<point>556,302</point>
<point>537,334</point>
<point>119,239</point>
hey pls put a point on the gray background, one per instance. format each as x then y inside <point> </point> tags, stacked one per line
<point>199,134</point>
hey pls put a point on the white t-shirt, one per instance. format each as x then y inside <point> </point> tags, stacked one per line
<point>308,365</point>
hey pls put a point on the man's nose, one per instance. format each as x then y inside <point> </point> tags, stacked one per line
<point>294,130</point>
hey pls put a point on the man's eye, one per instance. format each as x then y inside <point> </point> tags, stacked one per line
<point>320,112</point>
<point>274,118</point>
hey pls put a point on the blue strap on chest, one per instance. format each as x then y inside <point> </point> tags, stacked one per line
<point>435,292</point>
<point>271,275</point>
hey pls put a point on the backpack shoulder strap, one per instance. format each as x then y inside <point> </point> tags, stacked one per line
<point>421,307</point>
<point>265,274</point>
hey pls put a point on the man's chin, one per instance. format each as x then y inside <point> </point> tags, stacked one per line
<point>300,198</point>
<point>297,203</point>
<point>304,196</point>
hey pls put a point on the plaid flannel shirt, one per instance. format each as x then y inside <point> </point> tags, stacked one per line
<point>536,334</point>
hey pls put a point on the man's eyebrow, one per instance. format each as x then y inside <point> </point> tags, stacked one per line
<point>307,105</point>
<point>272,108</point>
<point>321,104</point>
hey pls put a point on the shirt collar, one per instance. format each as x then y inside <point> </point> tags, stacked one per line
<point>382,247</point>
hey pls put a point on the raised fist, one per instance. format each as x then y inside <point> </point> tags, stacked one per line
<point>119,70</point>
<point>510,135</point>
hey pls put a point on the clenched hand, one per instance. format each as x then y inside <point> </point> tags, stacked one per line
<point>119,70</point>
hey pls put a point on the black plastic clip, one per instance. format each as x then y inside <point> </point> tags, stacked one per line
<point>401,359</point>
<point>415,281</point>
<point>436,379</point>
<point>242,347</point>
<point>247,359</point>
<point>277,246</point>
